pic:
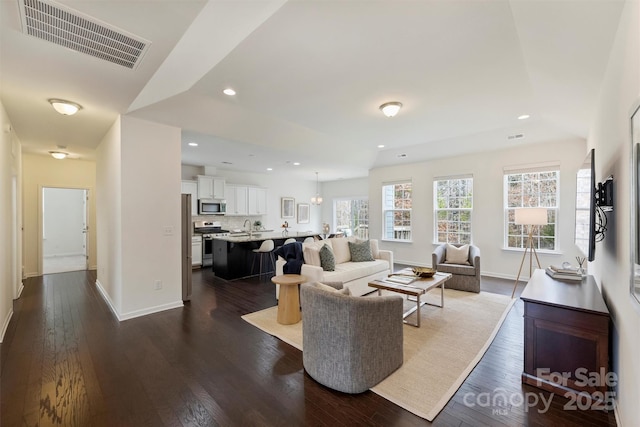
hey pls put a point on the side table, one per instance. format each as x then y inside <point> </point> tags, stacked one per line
<point>289,298</point>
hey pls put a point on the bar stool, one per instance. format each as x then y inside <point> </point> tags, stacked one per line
<point>266,248</point>
<point>289,240</point>
<point>309,240</point>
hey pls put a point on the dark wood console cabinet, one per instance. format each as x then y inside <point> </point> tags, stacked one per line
<point>566,336</point>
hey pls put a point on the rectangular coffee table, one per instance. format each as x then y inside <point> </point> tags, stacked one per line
<point>415,289</point>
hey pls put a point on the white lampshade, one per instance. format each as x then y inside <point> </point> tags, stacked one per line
<point>531,216</point>
<point>390,109</point>
<point>66,108</point>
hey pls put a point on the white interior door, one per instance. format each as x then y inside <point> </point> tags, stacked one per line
<point>64,229</point>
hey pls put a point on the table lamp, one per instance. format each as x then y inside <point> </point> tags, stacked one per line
<point>529,217</point>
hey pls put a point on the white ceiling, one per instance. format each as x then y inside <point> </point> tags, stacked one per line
<point>310,76</point>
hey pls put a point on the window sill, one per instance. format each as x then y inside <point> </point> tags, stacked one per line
<point>396,241</point>
<point>538,251</point>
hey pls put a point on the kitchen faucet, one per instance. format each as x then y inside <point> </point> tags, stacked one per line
<point>245,226</point>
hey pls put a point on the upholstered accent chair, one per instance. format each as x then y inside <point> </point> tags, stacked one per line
<point>465,277</point>
<point>350,343</point>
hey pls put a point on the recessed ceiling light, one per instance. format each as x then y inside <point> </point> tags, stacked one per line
<point>523,117</point>
<point>381,146</point>
<point>401,156</point>
<point>193,144</point>
<point>269,169</point>
<point>229,91</point>
<point>226,163</point>
<point>296,163</point>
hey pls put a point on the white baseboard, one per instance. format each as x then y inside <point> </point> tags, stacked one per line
<point>107,299</point>
<point>64,254</point>
<point>93,267</point>
<point>5,325</point>
<point>151,310</point>
<point>136,313</point>
<point>482,273</point>
<point>616,414</point>
<point>20,289</point>
<point>32,274</point>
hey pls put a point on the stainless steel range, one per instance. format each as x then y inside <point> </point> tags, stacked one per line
<point>208,229</point>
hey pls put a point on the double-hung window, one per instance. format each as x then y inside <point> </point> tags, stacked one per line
<point>351,216</point>
<point>396,211</point>
<point>453,205</point>
<point>532,188</point>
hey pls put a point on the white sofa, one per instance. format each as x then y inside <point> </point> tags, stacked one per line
<point>353,275</point>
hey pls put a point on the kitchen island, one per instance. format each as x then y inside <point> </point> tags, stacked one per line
<point>233,254</point>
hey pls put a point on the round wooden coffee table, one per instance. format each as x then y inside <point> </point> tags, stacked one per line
<point>289,298</point>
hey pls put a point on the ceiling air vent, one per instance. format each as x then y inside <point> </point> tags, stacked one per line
<point>516,136</point>
<point>66,27</point>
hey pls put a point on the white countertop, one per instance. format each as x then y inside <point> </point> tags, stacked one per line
<point>258,236</point>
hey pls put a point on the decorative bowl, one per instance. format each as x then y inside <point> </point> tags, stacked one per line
<point>423,271</point>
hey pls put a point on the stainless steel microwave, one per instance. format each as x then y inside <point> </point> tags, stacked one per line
<point>211,207</point>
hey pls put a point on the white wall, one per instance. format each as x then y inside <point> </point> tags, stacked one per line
<point>10,220</point>
<point>610,136</point>
<point>109,216</point>
<point>487,221</point>
<point>63,222</point>
<point>278,186</point>
<point>138,181</point>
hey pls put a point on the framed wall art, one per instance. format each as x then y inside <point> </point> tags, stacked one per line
<point>303,213</point>
<point>288,206</point>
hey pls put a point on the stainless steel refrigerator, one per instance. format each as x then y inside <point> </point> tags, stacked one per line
<point>186,232</point>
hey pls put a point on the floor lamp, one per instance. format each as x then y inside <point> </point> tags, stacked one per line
<point>529,217</point>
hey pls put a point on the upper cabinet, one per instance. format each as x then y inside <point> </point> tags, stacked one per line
<point>245,200</point>
<point>210,187</point>
<point>191,187</point>
<point>236,198</point>
<point>257,200</point>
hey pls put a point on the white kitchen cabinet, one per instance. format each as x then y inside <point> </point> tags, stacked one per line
<point>196,250</point>
<point>236,198</point>
<point>210,187</point>
<point>191,187</point>
<point>257,201</point>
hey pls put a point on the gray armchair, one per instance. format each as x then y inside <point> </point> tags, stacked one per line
<point>350,343</point>
<point>464,277</point>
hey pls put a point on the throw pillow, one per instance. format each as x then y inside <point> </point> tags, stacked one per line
<point>311,256</point>
<point>328,288</point>
<point>324,287</point>
<point>340,246</point>
<point>327,259</point>
<point>455,255</point>
<point>375,251</point>
<point>360,252</point>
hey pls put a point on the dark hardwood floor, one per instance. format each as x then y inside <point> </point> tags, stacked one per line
<point>67,361</point>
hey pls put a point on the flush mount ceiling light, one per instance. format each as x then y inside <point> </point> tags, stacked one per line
<point>390,109</point>
<point>523,117</point>
<point>228,91</point>
<point>193,144</point>
<point>58,154</point>
<point>66,108</point>
<point>317,199</point>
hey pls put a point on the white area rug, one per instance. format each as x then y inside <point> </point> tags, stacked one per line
<point>438,356</point>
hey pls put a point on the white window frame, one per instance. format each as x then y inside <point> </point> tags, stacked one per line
<point>387,209</point>
<point>363,233</point>
<point>521,231</point>
<point>450,210</point>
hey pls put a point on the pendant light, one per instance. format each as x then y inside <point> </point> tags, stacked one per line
<point>317,199</point>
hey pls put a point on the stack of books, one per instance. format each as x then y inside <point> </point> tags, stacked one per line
<point>564,273</point>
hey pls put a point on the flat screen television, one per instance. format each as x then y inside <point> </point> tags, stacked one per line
<point>585,235</point>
